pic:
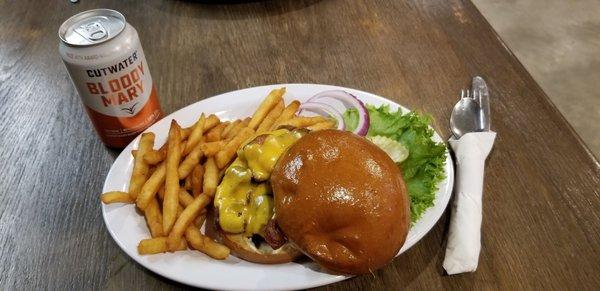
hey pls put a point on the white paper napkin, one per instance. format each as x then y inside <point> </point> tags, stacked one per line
<point>464,236</point>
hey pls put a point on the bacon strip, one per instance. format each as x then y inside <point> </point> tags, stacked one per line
<point>273,235</point>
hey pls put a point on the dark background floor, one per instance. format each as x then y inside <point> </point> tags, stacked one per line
<point>559,43</point>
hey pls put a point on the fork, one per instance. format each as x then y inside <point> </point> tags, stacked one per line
<point>465,114</point>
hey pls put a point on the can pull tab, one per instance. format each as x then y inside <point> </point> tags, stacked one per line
<point>92,31</point>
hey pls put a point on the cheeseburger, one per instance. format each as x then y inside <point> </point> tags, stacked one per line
<point>331,195</point>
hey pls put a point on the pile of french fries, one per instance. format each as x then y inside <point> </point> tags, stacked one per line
<point>173,185</point>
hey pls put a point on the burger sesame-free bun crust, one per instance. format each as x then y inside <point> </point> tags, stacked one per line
<point>342,201</point>
<point>244,248</point>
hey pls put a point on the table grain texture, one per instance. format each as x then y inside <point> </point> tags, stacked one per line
<point>541,227</point>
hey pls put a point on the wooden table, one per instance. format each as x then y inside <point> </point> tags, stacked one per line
<point>541,227</point>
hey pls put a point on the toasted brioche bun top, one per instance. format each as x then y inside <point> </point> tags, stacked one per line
<point>342,201</point>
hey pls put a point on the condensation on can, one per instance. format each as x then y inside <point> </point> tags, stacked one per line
<point>106,62</point>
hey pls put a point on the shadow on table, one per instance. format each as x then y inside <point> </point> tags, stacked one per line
<point>161,282</point>
<point>427,253</point>
<point>114,153</point>
<point>240,9</point>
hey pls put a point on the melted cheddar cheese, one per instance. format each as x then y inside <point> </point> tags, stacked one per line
<point>261,158</point>
<point>243,198</point>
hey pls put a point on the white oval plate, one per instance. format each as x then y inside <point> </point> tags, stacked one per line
<point>127,227</point>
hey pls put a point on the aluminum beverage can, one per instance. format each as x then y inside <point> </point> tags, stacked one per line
<point>106,62</point>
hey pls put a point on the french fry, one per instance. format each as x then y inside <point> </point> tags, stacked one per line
<point>116,197</point>
<point>187,183</point>
<point>185,132</point>
<point>205,244</point>
<point>227,154</point>
<point>230,126</point>
<point>190,161</point>
<point>139,174</point>
<point>195,136</point>
<point>185,219</point>
<point>236,129</point>
<point>322,125</point>
<point>171,200</point>
<point>179,210</point>
<point>161,193</point>
<point>266,124</point>
<point>215,133</point>
<point>151,186</point>
<point>288,113</point>
<point>212,148</point>
<point>154,218</point>
<point>211,177</point>
<point>151,171</point>
<point>268,103</point>
<point>211,121</point>
<point>154,157</point>
<point>163,148</point>
<point>197,177</point>
<point>303,121</point>
<point>158,245</point>
<point>185,198</point>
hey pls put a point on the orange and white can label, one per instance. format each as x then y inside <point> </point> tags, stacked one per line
<point>120,98</point>
<point>105,60</point>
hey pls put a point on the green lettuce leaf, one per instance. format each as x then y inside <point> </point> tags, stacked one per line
<point>424,167</point>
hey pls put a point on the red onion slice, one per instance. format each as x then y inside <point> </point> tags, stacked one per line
<point>348,100</point>
<point>326,110</point>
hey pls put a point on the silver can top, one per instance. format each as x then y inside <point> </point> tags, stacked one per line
<point>91,27</point>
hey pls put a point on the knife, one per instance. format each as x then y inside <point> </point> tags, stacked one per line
<point>483,99</point>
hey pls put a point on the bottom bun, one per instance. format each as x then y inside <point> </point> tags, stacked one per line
<point>243,247</point>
